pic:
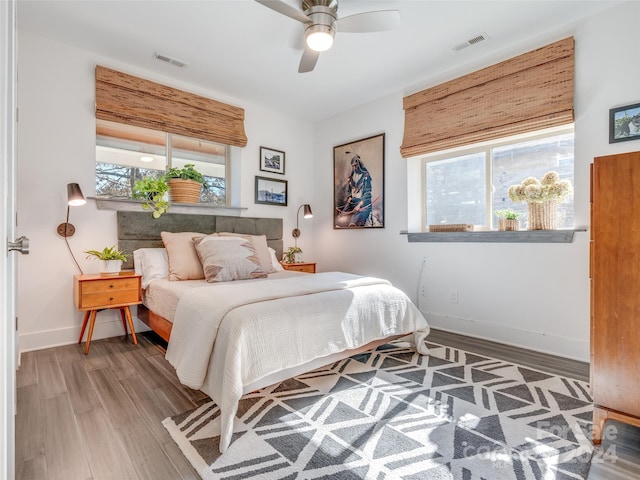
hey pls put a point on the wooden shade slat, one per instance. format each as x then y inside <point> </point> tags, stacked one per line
<point>127,99</point>
<point>526,93</point>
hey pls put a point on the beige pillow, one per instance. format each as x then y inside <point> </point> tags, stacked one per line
<point>260,244</point>
<point>226,258</point>
<point>184,263</point>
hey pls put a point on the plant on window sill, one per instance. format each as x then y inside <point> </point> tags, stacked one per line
<point>152,191</point>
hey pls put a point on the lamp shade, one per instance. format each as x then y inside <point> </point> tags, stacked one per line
<point>74,195</point>
<point>307,211</point>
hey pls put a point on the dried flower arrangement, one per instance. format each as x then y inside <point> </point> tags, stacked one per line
<point>549,188</point>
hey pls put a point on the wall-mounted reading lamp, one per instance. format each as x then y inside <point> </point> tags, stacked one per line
<point>75,198</point>
<point>307,214</point>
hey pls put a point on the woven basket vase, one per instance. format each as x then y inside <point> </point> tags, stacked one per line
<point>184,191</point>
<point>543,215</point>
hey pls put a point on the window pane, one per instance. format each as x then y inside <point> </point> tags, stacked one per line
<point>125,154</point>
<point>513,163</point>
<point>456,190</point>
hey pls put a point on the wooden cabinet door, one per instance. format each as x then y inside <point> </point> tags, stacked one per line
<point>616,283</point>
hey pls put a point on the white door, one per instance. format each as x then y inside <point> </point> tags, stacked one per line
<point>8,334</point>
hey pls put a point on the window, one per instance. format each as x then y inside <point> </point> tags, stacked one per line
<point>468,185</point>
<point>125,154</point>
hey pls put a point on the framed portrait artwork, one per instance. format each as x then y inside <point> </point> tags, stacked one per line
<point>271,191</point>
<point>358,184</point>
<point>271,160</point>
<point>624,123</point>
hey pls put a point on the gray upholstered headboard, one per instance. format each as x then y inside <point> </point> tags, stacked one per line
<point>140,229</point>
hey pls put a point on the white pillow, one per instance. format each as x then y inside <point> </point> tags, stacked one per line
<point>276,266</point>
<point>151,263</point>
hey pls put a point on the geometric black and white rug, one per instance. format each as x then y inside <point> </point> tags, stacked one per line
<point>393,414</point>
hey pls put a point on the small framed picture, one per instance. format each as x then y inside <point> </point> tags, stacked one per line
<point>271,160</point>
<point>624,123</point>
<point>270,191</point>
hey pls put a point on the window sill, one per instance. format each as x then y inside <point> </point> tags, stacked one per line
<point>121,204</point>
<point>520,236</point>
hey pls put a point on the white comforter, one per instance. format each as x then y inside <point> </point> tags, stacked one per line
<point>229,336</point>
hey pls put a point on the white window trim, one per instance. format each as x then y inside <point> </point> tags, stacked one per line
<point>416,169</point>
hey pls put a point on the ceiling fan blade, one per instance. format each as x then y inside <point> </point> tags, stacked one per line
<point>366,22</point>
<point>308,60</point>
<point>285,9</point>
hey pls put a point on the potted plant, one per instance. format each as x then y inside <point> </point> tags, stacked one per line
<point>152,191</point>
<point>292,255</point>
<point>507,219</point>
<point>185,184</point>
<point>110,259</point>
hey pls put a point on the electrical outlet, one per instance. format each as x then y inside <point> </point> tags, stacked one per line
<point>423,291</point>
<point>453,296</point>
<point>424,261</point>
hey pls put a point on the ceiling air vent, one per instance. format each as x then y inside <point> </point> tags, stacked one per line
<point>168,59</point>
<point>472,41</point>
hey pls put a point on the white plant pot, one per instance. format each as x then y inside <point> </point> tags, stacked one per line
<point>110,267</point>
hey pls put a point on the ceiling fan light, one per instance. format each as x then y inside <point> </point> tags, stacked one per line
<point>319,38</point>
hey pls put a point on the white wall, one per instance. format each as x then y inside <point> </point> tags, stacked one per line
<point>533,295</point>
<point>56,145</point>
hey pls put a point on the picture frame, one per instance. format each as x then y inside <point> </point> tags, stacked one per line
<point>624,123</point>
<point>271,191</point>
<point>272,160</point>
<point>358,190</point>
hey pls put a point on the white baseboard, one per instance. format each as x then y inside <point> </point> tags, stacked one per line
<point>68,335</point>
<point>573,348</point>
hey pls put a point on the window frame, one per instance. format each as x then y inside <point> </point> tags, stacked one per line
<point>168,154</point>
<point>487,148</point>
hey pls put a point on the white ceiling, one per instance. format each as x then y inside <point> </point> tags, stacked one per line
<point>247,51</point>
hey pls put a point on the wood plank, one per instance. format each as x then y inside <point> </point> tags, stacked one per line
<point>50,378</point>
<point>116,402</point>
<point>82,396</point>
<point>150,460</point>
<point>63,444</point>
<point>31,469</point>
<point>153,405</point>
<point>29,438</point>
<point>27,374</point>
<point>105,449</point>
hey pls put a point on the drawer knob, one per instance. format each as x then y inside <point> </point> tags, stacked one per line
<point>111,299</point>
<point>111,285</point>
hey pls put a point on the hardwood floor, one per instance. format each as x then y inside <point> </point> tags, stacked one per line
<point>99,416</point>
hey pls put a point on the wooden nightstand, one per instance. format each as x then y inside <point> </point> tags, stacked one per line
<point>93,293</point>
<point>307,267</point>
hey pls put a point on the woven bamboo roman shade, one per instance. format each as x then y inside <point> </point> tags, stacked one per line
<point>131,100</point>
<point>526,93</point>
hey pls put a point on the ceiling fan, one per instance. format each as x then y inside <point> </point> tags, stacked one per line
<point>321,21</point>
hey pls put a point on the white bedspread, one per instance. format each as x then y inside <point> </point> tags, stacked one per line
<point>221,342</point>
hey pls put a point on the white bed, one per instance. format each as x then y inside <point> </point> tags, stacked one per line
<point>250,324</point>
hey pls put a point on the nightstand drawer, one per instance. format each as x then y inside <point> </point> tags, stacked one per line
<point>109,285</point>
<point>106,299</point>
<point>307,267</point>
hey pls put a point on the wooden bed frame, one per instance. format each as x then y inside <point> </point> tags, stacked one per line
<point>141,230</point>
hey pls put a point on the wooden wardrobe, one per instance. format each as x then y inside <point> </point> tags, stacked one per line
<point>615,290</point>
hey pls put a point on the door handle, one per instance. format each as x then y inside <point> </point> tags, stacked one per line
<point>21,245</point>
